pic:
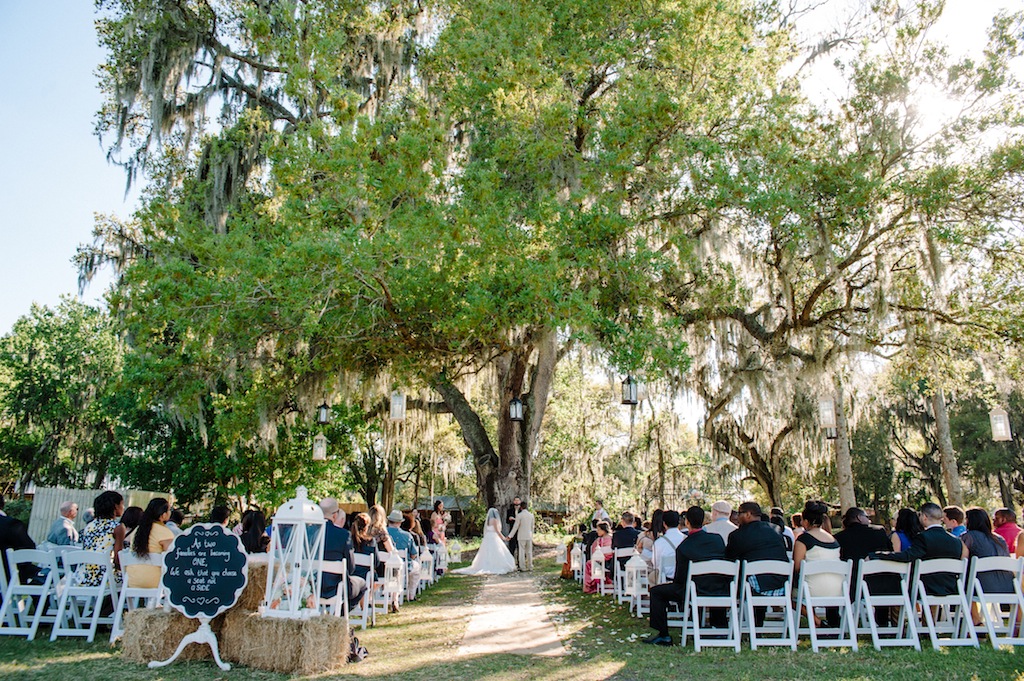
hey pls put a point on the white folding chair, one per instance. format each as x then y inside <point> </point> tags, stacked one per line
<point>131,596</point>
<point>619,574</point>
<point>365,614</point>
<point>953,611</point>
<point>904,631</point>
<point>705,637</point>
<point>1001,612</point>
<point>598,569</point>
<point>9,620</point>
<point>768,634</point>
<point>19,597</point>
<point>427,576</point>
<point>337,604</point>
<point>388,590</point>
<point>80,606</point>
<point>845,635</point>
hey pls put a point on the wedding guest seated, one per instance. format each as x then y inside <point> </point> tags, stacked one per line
<point>403,541</point>
<point>588,539</point>
<point>858,540</point>
<point>796,523</point>
<point>953,519</point>
<point>604,542</point>
<point>645,542</point>
<point>777,518</point>
<point>1005,522</point>
<point>363,542</point>
<point>174,524</point>
<point>625,536</point>
<point>219,515</point>
<point>721,512</point>
<point>254,533</point>
<point>753,540</point>
<point>338,546</point>
<point>150,537</point>
<point>62,531</point>
<point>908,526</point>
<point>665,547</point>
<point>697,546</point>
<point>99,534</point>
<point>982,542</point>
<point>817,544</point>
<point>14,535</point>
<point>933,542</point>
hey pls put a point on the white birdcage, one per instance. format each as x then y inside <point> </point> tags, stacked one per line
<point>293,568</point>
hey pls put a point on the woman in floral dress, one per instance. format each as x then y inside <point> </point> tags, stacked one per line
<point>99,535</point>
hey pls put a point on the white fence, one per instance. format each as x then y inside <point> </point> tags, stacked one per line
<point>47,500</point>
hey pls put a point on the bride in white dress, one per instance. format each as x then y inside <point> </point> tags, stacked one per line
<point>493,558</point>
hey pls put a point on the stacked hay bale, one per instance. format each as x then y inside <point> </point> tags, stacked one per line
<point>311,646</point>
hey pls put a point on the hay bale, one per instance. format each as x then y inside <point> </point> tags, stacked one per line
<point>311,646</point>
<point>152,634</point>
<point>252,595</point>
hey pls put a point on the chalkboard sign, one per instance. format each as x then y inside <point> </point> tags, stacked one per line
<point>205,570</point>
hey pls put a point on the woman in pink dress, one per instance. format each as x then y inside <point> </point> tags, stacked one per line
<point>604,543</point>
<point>437,522</point>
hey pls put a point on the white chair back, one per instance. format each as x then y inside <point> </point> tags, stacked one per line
<point>842,633</point>
<point>694,601</point>
<point>14,612</point>
<point>784,635</point>
<point>945,614</point>
<point>901,632</point>
<point>132,595</point>
<point>1002,611</point>
<point>80,607</point>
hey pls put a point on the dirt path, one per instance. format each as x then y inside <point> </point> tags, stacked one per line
<point>510,617</point>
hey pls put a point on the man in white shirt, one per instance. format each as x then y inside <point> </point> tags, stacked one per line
<point>665,547</point>
<point>720,523</point>
<point>599,512</point>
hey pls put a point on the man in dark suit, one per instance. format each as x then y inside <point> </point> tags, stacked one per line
<point>858,540</point>
<point>338,546</point>
<point>510,520</point>
<point>14,535</point>
<point>625,536</point>
<point>697,546</point>
<point>934,542</point>
<point>755,539</point>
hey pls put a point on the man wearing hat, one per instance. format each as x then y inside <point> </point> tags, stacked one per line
<point>720,523</point>
<point>404,541</point>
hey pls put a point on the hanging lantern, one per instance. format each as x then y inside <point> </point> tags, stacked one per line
<point>323,414</point>
<point>630,391</point>
<point>1000,425</point>
<point>515,409</point>
<point>319,447</point>
<point>293,565</point>
<point>397,406</point>
<point>827,416</point>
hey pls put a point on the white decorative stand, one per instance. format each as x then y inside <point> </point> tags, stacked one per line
<point>204,634</point>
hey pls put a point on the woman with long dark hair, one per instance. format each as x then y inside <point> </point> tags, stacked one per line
<point>908,526</point>
<point>362,542</point>
<point>982,542</point>
<point>151,536</point>
<point>254,533</point>
<point>645,542</point>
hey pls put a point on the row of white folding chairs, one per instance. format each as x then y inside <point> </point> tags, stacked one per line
<point>390,589</point>
<point>947,618</point>
<point>58,596</point>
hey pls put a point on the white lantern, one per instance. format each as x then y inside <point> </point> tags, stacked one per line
<point>576,558</point>
<point>293,565</point>
<point>636,570</point>
<point>320,447</point>
<point>827,416</point>
<point>1000,425</point>
<point>397,406</point>
<point>597,564</point>
<point>455,551</point>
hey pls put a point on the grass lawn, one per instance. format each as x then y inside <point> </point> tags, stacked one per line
<point>421,643</point>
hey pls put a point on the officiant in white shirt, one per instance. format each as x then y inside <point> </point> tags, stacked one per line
<point>522,530</point>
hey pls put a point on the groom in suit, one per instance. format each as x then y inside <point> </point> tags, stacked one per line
<point>522,531</point>
<point>510,520</point>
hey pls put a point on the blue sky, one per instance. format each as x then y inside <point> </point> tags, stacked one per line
<point>53,173</point>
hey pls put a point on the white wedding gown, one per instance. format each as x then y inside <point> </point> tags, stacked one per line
<point>493,558</point>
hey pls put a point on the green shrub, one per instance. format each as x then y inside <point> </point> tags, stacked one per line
<point>19,508</point>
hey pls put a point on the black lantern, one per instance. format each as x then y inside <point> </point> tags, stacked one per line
<point>323,414</point>
<point>630,391</point>
<point>515,409</point>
